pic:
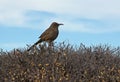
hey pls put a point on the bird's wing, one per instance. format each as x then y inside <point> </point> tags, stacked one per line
<point>46,34</point>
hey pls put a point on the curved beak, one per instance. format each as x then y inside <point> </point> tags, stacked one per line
<point>61,24</point>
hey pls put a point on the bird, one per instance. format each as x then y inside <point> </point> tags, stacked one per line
<point>49,35</point>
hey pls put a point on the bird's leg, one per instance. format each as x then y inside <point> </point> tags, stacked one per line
<point>51,46</point>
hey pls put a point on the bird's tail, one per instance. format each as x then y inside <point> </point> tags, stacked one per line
<point>39,41</point>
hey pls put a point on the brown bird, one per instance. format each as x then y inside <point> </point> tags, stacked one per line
<point>49,35</point>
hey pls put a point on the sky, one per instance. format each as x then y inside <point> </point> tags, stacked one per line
<point>90,22</point>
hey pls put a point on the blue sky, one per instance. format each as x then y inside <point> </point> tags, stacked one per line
<point>91,22</point>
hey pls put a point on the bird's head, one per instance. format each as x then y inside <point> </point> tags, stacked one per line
<point>56,24</point>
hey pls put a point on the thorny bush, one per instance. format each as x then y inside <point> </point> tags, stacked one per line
<point>61,63</point>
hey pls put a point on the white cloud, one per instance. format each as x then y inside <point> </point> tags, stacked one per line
<point>12,12</point>
<point>11,17</point>
<point>89,28</point>
<point>76,7</point>
<point>10,46</point>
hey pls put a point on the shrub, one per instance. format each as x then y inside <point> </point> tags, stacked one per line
<point>61,63</point>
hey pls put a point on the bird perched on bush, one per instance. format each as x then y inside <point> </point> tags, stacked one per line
<point>49,35</point>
